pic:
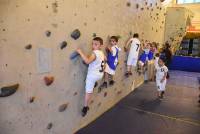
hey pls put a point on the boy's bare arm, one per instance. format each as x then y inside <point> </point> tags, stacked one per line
<point>86,59</point>
<point>127,44</point>
<point>109,48</point>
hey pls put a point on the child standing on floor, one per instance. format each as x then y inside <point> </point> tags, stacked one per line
<point>161,74</point>
<point>133,53</point>
<point>95,72</point>
<point>112,61</point>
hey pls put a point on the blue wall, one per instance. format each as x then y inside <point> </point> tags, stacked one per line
<point>184,63</point>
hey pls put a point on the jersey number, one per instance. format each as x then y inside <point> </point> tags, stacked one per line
<point>102,66</point>
<point>162,70</point>
<point>138,45</point>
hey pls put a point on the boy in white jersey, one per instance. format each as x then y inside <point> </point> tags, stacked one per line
<point>161,74</point>
<point>95,72</point>
<point>112,61</point>
<point>133,53</point>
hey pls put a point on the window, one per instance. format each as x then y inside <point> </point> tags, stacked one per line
<point>187,1</point>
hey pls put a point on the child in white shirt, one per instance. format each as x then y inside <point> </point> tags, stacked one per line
<point>95,72</point>
<point>133,53</point>
<point>161,74</point>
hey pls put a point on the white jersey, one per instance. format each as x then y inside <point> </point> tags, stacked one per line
<point>160,72</point>
<point>156,62</point>
<point>135,48</point>
<point>97,66</point>
<point>114,51</point>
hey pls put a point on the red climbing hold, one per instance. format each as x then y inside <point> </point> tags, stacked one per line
<point>48,80</point>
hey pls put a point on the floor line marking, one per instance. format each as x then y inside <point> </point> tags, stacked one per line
<point>165,116</point>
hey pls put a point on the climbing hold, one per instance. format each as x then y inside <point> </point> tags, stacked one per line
<point>29,46</point>
<point>128,4</point>
<point>48,33</point>
<point>99,104</point>
<point>8,90</point>
<point>54,7</point>
<point>75,93</point>
<point>76,34</point>
<point>137,6</point>
<point>92,101</point>
<point>32,99</point>
<point>85,23</point>
<point>119,92</point>
<point>74,55</point>
<point>142,8</point>
<point>48,80</point>
<point>63,45</point>
<point>63,107</point>
<point>105,94</point>
<point>54,25</point>
<point>50,125</point>
<point>94,35</point>
<point>119,36</point>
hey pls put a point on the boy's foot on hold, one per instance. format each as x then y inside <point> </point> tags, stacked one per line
<point>85,110</point>
<point>112,82</point>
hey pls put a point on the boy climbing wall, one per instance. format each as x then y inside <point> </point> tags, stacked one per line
<point>95,70</point>
<point>112,61</point>
<point>133,53</point>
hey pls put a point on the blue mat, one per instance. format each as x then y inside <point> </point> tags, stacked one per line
<point>184,63</point>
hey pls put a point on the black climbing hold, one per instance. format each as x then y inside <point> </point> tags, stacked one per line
<point>8,90</point>
<point>74,55</point>
<point>32,99</point>
<point>96,84</point>
<point>48,33</point>
<point>76,34</point>
<point>29,46</point>
<point>94,35</point>
<point>50,125</point>
<point>63,45</point>
<point>63,107</point>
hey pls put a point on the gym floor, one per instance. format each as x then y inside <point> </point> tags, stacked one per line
<point>142,113</point>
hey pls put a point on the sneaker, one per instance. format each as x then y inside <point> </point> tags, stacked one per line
<point>85,110</point>
<point>104,85</point>
<point>162,94</point>
<point>130,73</point>
<point>127,74</point>
<point>112,82</point>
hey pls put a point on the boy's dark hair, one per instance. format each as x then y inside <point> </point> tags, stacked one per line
<point>136,35</point>
<point>157,55</point>
<point>99,39</point>
<point>114,38</point>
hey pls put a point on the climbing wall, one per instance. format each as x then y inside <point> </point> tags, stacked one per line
<point>177,20</point>
<point>36,42</point>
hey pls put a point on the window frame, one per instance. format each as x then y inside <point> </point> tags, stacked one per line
<point>187,3</point>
